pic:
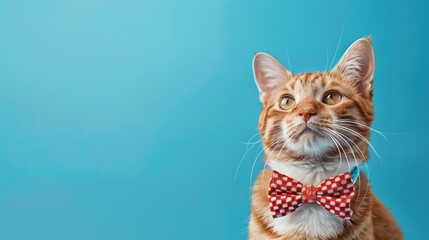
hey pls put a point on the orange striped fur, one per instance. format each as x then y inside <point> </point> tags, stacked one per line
<point>313,140</point>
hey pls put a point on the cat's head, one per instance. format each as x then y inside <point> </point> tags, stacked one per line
<point>317,114</point>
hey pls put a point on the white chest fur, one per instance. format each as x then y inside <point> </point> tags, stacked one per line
<point>310,219</point>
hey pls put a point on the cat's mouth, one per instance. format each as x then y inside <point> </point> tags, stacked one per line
<point>308,132</point>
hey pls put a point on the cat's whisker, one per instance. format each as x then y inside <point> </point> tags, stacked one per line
<point>251,172</point>
<point>351,141</point>
<point>363,125</point>
<point>366,190</point>
<point>333,133</point>
<point>338,45</point>
<point>361,153</point>
<point>284,145</point>
<point>287,53</point>
<point>351,131</point>
<point>247,150</point>
<point>354,156</point>
<point>269,156</point>
<point>345,154</point>
<point>366,164</point>
<point>352,151</point>
<point>341,136</point>
<point>339,152</point>
<point>250,139</point>
<point>375,130</point>
<point>356,134</point>
<point>327,58</point>
<point>254,163</point>
<point>241,160</point>
<point>250,143</point>
<point>335,141</point>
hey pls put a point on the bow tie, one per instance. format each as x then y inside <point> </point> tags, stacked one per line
<point>285,195</point>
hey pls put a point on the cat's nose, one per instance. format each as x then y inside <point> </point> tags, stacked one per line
<point>306,114</point>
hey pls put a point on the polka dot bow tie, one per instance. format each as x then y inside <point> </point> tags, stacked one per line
<point>285,195</point>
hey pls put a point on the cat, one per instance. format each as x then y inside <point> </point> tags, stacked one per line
<point>314,126</point>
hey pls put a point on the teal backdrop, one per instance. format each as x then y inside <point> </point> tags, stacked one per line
<point>127,119</point>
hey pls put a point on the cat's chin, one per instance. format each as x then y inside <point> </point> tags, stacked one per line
<point>308,135</point>
<point>310,143</point>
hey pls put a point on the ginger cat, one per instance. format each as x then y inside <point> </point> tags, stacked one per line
<point>315,126</point>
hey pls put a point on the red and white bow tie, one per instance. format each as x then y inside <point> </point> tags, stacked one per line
<point>285,195</point>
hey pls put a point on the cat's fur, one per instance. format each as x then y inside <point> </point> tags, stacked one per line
<point>337,140</point>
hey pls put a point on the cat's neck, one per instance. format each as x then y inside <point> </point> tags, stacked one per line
<point>311,173</point>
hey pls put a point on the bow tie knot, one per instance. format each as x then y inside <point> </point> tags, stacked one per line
<point>309,194</point>
<point>285,195</point>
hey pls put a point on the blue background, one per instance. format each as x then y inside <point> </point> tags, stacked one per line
<point>128,119</point>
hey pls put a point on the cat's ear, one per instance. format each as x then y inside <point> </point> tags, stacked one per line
<point>268,74</point>
<point>358,64</point>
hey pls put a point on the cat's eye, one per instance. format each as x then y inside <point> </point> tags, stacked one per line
<point>287,102</point>
<point>332,98</point>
